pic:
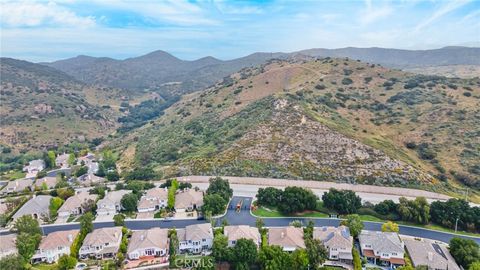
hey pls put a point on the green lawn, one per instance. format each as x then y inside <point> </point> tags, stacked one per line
<point>272,212</point>
<point>44,266</point>
<point>370,218</point>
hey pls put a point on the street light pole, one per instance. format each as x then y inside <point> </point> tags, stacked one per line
<point>456,224</point>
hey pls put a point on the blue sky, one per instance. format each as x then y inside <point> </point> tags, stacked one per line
<point>51,30</point>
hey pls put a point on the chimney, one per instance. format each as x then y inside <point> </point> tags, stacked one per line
<point>283,235</point>
<point>142,237</point>
<point>70,237</point>
<point>115,234</point>
<point>430,256</point>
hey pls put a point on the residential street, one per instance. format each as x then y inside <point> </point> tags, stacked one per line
<point>243,217</point>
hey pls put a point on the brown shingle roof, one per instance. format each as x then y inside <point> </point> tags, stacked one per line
<point>234,233</point>
<point>334,237</point>
<point>102,236</point>
<point>77,200</point>
<point>199,231</point>
<point>185,198</point>
<point>155,237</point>
<point>50,181</point>
<point>158,193</point>
<point>286,237</point>
<point>58,239</point>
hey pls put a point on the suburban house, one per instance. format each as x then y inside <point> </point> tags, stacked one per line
<point>110,205</point>
<point>428,253</point>
<point>153,200</point>
<point>195,238</point>
<point>54,245</point>
<point>62,161</point>
<point>233,233</point>
<point>89,161</point>
<point>90,179</point>
<point>75,204</point>
<point>34,167</point>
<point>338,242</point>
<point>101,243</point>
<point>188,200</point>
<point>46,182</point>
<point>149,243</point>
<point>384,248</point>
<point>7,245</point>
<point>37,207</point>
<point>17,186</point>
<point>289,238</point>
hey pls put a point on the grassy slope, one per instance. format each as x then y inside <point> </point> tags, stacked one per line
<point>200,133</point>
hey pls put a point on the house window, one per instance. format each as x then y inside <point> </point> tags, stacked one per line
<point>204,240</point>
<point>234,242</point>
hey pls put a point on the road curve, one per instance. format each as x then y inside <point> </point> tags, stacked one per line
<point>244,217</point>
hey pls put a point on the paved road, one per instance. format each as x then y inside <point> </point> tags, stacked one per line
<point>54,173</point>
<point>243,217</point>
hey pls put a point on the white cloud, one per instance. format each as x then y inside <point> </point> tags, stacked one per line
<point>29,14</point>
<point>447,8</point>
<point>179,12</point>
<point>373,13</point>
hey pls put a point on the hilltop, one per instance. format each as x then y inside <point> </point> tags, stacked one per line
<point>44,107</point>
<point>321,119</point>
<point>162,72</point>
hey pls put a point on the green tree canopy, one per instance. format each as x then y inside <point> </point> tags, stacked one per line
<point>354,224</point>
<point>274,258</point>
<point>27,224</point>
<point>26,244</point>
<point>66,262</point>
<point>129,202</point>
<point>417,210</point>
<point>244,253</point>
<point>214,203</point>
<point>297,199</point>
<point>464,251</point>
<point>86,223</point>
<point>221,187</point>
<point>220,250</point>
<point>342,201</point>
<point>316,251</point>
<point>12,262</point>
<point>269,196</point>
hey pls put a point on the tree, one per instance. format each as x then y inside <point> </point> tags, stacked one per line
<point>141,174</point>
<point>172,234</point>
<point>316,251</point>
<point>354,224</point>
<point>28,225</point>
<point>86,223</point>
<point>342,201</point>
<point>297,199</point>
<point>66,262</point>
<point>99,190</point>
<point>129,202</point>
<point>386,207</point>
<point>220,250</point>
<point>65,193</point>
<point>464,251</point>
<point>119,220</point>
<point>221,187</point>
<point>184,185</point>
<point>417,211</point>
<point>12,262</point>
<point>447,213</point>
<point>357,262</point>
<point>308,231</point>
<point>390,226</point>
<point>55,204</point>
<point>269,196</point>
<point>112,176</point>
<point>259,223</point>
<point>27,244</point>
<point>244,253</point>
<point>49,159</point>
<point>171,193</point>
<point>296,223</point>
<point>71,159</point>
<point>273,258</point>
<point>473,266</point>
<point>81,171</point>
<point>299,259</point>
<point>214,203</point>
